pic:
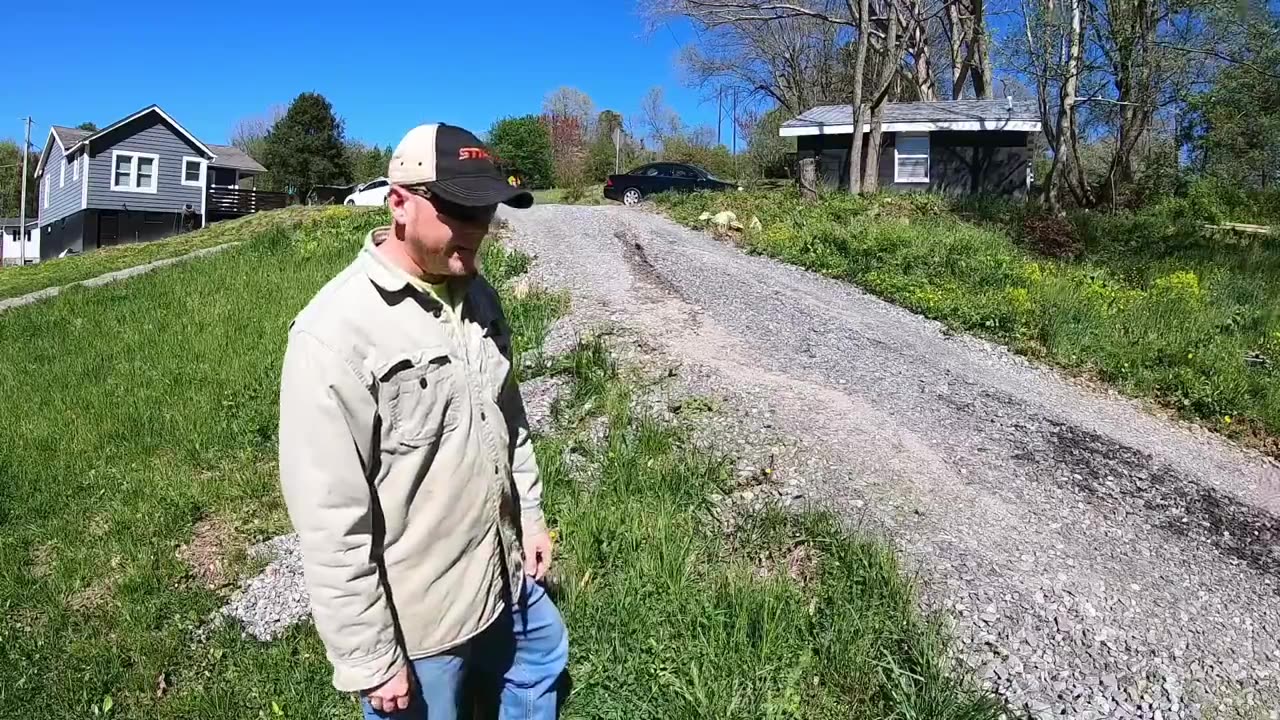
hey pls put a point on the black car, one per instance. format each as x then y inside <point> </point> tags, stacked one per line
<point>658,177</point>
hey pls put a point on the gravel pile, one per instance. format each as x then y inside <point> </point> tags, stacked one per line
<point>1097,560</point>
<point>276,598</point>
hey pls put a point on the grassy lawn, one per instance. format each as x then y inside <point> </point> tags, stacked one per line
<point>15,280</point>
<point>593,195</point>
<point>148,407</point>
<point>1145,301</point>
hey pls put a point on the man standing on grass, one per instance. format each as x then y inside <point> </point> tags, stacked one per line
<point>406,461</point>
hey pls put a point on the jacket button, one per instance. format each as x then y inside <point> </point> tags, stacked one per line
<point>482,416</point>
<point>422,383</point>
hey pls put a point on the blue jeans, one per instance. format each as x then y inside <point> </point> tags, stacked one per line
<point>517,662</point>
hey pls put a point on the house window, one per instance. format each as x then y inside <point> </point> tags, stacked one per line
<point>134,172</point>
<point>193,171</point>
<point>46,190</point>
<point>62,175</point>
<point>911,158</point>
<point>75,168</point>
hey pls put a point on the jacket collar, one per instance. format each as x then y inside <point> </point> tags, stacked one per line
<point>383,274</point>
<point>390,277</point>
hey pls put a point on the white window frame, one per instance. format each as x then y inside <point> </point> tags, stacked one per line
<point>204,168</point>
<point>62,174</point>
<point>46,190</point>
<point>133,172</point>
<point>75,168</point>
<point>897,174</point>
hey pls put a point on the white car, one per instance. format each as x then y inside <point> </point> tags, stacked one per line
<point>370,194</point>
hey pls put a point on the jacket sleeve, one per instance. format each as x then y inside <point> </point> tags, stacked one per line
<point>327,420</point>
<point>524,466</point>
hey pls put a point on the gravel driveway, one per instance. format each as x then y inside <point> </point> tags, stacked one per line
<point>1098,560</point>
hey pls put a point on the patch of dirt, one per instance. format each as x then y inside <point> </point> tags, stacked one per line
<point>99,593</point>
<point>42,559</point>
<point>214,544</point>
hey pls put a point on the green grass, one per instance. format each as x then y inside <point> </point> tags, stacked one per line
<point>593,194</point>
<point>788,617</point>
<point>147,405</point>
<point>15,280</point>
<point>1152,306</point>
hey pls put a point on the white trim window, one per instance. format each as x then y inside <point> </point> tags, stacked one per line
<point>911,158</point>
<point>75,168</point>
<point>62,174</point>
<point>193,170</point>
<point>47,176</point>
<point>134,171</point>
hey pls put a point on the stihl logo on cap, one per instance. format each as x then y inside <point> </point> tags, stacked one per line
<point>473,153</point>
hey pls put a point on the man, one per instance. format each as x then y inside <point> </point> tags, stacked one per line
<point>406,461</point>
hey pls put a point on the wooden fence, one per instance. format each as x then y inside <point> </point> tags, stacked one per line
<point>225,203</point>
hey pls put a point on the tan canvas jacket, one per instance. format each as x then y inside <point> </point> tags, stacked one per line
<point>404,450</point>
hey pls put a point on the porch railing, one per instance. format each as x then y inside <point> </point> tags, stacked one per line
<point>233,202</point>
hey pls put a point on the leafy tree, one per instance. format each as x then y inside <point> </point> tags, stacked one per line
<point>602,153</point>
<point>90,127</point>
<point>306,148</point>
<point>11,178</point>
<point>365,162</point>
<point>766,151</point>
<point>523,147</point>
<point>694,149</point>
<point>250,136</point>
<point>1234,125</point>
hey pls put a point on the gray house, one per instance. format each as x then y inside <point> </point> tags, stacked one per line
<point>956,147</point>
<point>142,178</point>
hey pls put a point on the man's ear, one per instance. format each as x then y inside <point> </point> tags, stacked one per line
<point>398,200</point>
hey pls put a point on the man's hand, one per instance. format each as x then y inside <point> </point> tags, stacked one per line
<point>391,696</point>
<point>537,554</point>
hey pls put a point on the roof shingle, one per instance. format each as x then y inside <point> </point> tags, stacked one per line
<point>941,111</point>
<point>69,136</point>
<point>230,156</point>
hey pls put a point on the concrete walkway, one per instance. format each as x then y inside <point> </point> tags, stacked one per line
<point>111,277</point>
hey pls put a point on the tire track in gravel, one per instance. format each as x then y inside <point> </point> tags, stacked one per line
<point>1099,560</point>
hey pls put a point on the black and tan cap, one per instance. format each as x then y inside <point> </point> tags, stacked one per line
<point>453,164</point>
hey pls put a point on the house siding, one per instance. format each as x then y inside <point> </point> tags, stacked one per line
<point>960,163</point>
<point>64,199</point>
<point>149,134</point>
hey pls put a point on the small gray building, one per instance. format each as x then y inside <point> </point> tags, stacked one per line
<point>956,147</point>
<point>142,178</point>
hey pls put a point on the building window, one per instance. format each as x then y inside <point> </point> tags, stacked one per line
<point>46,190</point>
<point>75,168</point>
<point>134,172</point>
<point>193,171</point>
<point>911,158</point>
<point>62,175</point>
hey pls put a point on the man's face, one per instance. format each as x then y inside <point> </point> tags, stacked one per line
<point>441,238</point>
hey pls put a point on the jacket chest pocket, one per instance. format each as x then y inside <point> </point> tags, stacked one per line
<point>418,397</point>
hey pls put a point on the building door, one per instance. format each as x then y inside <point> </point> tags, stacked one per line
<point>108,228</point>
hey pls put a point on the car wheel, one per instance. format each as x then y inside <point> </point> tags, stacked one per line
<point>632,197</point>
<point>351,203</point>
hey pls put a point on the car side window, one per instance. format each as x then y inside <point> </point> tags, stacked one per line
<point>683,173</point>
<point>376,185</point>
<point>650,171</point>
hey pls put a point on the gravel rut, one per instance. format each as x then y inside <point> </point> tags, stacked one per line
<point>1098,560</point>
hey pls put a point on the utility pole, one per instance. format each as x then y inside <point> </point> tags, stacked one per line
<point>719,112</point>
<point>735,130</point>
<point>22,199</point>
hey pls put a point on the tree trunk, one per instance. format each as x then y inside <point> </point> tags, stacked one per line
<point>808,178</point>
<point>871,177</point>
<point>859,113</point>
<point>981,70</point>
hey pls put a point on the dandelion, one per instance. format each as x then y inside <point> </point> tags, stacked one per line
<point>1226,419</point>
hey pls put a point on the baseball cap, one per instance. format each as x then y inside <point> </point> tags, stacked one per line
<point>452,163</point>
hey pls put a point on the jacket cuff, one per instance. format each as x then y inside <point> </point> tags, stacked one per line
<point>368,672</point>
<point>532,522</point>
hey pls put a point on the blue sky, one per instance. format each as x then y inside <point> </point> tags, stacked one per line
<point>385,66</point>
